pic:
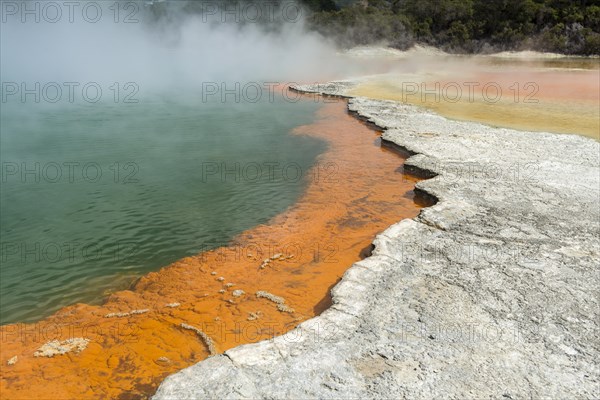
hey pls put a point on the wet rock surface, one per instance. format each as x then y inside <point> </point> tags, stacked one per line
<point>490,293</point>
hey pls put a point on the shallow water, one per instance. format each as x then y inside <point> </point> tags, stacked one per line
<point>95,195</point>
<point>550,95</point>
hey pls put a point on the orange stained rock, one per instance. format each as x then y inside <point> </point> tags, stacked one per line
<point>356,190</point>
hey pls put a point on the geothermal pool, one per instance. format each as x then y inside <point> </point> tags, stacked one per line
<point>95,195</point>
<point>98,196</point>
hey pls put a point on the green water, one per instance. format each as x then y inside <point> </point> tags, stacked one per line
<point>68,234</point>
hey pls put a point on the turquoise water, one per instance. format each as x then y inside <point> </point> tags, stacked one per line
<point>95,195</point>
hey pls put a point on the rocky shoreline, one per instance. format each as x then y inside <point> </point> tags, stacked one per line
<point>490,293</point>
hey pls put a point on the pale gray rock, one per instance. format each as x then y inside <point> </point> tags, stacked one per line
<point>490,293</point>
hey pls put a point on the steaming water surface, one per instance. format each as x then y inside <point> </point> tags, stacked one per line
<point>69,233</point>
<point>71,237</point>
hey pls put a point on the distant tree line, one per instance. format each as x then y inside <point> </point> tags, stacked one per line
<point>563,26</point>
<point>459,26</point>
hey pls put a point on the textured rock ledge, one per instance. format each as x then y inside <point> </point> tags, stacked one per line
<point>491,293</point>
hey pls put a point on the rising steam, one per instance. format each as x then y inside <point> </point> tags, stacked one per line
<point>174,49</point>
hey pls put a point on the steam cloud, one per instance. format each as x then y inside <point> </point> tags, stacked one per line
<point>173,51</point>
